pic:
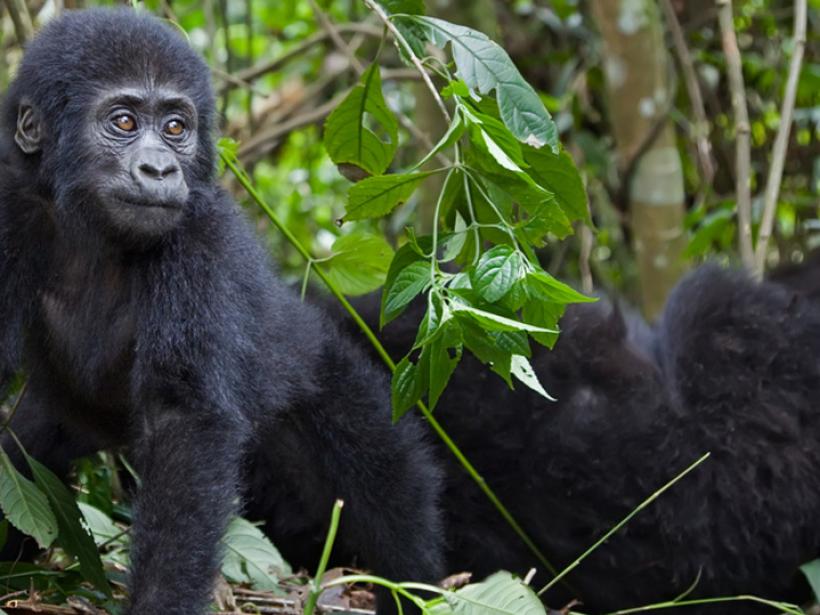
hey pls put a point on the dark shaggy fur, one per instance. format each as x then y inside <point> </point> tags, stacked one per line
<point>733,368</point>
<point>185,347</point>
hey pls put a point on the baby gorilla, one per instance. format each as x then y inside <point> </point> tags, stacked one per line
<point>146,314</point>
<point>732,368</point>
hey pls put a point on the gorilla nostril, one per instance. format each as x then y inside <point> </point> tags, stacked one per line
<point>150,170</point>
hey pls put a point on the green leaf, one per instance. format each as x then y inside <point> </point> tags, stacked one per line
<point>408,283</point>
<point>499,594</point>
<point>251,558</point>
<point>378,196</point>
<point>559,175</point>
<point>406,388</point>
<point>544,314</point>
<point>484,66</point>
<point>514,342</point>
<point>348,140</point>
<point>484,347</point>
<point>73,536</point>
<point>455,243</point>
<point>405,255</point>
<point>497,140</point>
<point>24,505</point>
<point>440,363</point>
<point>453,134</point>
<point>543,286</point>
<point>494,322</point>
<point>812,572</point>
<point>227,148</point>
<point>498,269</point>
<point>520,368</point>
<point>359,263</point>
<point>102,527</point>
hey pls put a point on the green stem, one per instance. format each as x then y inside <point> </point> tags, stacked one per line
<point>622,523</point>
<point>315,592</point>
<point>368,332</point>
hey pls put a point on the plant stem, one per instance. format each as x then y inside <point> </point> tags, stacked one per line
<point>781,142</point>
<point>373,6</point>
<point>743,145</point>
<point>622,523</point>
<point>317,589</point>
<point>244,181</point>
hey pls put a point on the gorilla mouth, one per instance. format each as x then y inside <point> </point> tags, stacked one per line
<point>147,202</point>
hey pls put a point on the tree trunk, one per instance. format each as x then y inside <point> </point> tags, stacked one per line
<point>636,67</point>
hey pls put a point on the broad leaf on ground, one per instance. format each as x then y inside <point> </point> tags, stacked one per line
<point>499,594</point>
<point>251,558</point>
<point>25,506</point>
<point>73,536</point>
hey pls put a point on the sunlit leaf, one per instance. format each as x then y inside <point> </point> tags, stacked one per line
<point>498,269</point>
<point>359,263</point>
<point>499,594</point>
<point>520,368</point>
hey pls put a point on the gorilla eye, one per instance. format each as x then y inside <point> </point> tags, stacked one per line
<point>125,122</point>
<point>174,128</point>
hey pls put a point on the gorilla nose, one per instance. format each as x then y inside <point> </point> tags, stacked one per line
<point>159,176</point>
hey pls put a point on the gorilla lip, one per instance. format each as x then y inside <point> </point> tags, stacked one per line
<point>148,203</point>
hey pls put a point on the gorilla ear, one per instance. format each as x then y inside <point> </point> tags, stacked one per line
<point>29,134</point>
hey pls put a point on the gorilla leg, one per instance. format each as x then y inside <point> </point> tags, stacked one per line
<point>338,447</point>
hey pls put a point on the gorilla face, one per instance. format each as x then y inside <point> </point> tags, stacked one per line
<point>141,143</point>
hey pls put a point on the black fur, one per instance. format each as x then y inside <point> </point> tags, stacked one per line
<point>733,368</point>
<point>180,342</point>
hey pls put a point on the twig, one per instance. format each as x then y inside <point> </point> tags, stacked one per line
<point>334,35</point>
<point>267,138</point>
<point>704,147</point>
<point>255,72</point>
<point>742,129</point>
<point>781,141</point>
<point>379,11</point>
<point>20,16</point>
<point>587,241</point>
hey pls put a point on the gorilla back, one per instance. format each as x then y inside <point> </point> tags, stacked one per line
<point>146,314</point>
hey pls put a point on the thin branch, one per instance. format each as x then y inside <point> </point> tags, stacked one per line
<point>255,72</point>
<point>743,144</point>
<point>781,142</point>
<point>379,11</point>
<point>701,128</point>
<point>334,35</point>
<point>265,140</point>
<point>20,16</point>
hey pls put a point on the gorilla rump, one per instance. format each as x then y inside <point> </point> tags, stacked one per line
<point>146,314</point>
<point>732,368</point>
